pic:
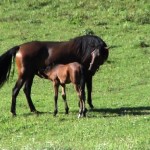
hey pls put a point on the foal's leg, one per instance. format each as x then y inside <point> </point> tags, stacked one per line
<point>27,91</point>
<point>56,86</point>
<point>64,98</point>
<point>15,93</point>
<point>89,90</point>
<point>81,101</point>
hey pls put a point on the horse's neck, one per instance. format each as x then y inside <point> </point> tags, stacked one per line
<point>63,52</point>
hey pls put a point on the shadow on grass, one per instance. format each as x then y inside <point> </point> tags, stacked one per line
<point>36,113</point>
<point>104,112</point>
<point>39,113</point>
<point>107,112</point>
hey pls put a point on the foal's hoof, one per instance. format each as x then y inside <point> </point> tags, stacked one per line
<point>79,116</point>
<point>82,115</point>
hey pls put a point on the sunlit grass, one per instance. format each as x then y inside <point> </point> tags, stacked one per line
<point>121,87</point>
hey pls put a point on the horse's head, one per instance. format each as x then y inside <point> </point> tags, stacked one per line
<point>98,57</point>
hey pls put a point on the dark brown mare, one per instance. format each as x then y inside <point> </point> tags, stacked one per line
<point>62,75</point>
<point>89,50</point>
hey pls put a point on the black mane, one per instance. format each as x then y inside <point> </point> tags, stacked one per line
<point>87,43</point>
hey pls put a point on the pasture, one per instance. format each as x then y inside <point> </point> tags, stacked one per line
<point>121,88</point>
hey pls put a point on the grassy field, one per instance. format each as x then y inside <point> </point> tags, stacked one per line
<point>121,88</point>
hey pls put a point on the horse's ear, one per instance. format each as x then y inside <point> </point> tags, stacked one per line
<point>91,45</point>
<point>108,48</point>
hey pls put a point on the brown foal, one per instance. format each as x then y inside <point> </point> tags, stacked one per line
<point>63,74</point>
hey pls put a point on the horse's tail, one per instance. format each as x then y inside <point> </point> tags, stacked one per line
<point>6,61</point>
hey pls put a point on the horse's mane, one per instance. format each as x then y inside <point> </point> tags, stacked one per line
<point>86,44</point>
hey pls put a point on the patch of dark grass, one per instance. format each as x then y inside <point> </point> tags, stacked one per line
<point>100,23</point>
<point>143,44</point>
<point>146,51</point>
<point>110,61</point>
<point>38,5</point>
<point>87,31</point>
<point>35,21</point>
<point>77,19</point>
<point>12,18</point>
<point>138,17</point>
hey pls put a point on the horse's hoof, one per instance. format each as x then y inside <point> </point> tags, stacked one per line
<point>35,112</point>
<point>86,110</point>
<point>91,106</point>
<point>14,114</point>
<point>67,111</point>
<point>55,113</point>
<point>84,114</point>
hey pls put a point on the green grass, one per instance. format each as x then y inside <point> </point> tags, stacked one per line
<point>121,88</point>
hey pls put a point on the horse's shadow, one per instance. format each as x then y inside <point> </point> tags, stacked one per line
<point>112,112</point>
<point>38,113</point>
<point>106,112</point>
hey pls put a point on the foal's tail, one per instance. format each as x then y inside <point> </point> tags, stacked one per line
<point>6,60</point>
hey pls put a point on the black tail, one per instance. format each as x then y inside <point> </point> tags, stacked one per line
<point>6,63</point>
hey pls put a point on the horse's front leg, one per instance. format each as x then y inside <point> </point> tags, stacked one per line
<point>56,86</point>
<point>84,110</point>
<point>82,92</point>
<point>89,90</point>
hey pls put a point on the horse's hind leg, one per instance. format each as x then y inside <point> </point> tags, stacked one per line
<point>64,98</point>
<point>15,93</point>
<point>27,91</point>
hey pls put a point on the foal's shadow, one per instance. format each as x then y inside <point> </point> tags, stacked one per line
<point>113,112</point>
